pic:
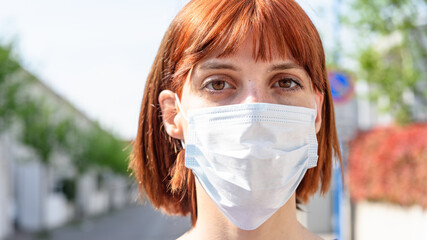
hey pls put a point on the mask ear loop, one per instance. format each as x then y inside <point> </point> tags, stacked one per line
<point>178,103</point>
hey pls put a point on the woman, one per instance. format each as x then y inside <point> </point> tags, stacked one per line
<point>237,122</point>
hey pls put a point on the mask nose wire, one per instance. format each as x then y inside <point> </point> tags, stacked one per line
<point>178,102</point>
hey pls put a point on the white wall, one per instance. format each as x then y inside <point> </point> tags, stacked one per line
<point>4,223</point>
<point>29,192</point>
<point>57,210</point>
<point>91,199</point>
<point>6,186</point>
<point>117,188</point>
<point>386,221</point>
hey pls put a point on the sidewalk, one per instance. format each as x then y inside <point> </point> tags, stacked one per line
<point>135,222</point>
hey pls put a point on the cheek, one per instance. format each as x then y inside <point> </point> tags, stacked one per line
<point>184,127</point>
<point>189,100</point>
<point>299,99</point>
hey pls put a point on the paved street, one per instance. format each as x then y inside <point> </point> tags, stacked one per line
<point>135,222</point>
<point>131,223</point>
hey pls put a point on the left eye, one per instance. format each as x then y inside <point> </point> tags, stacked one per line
<point>285,83</point>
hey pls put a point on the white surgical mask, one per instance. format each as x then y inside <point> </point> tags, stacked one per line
<point>250,158</point>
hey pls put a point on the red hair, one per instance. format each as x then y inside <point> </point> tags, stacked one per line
<point>205,26</point>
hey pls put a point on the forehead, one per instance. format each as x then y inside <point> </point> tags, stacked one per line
<point>247,51</point>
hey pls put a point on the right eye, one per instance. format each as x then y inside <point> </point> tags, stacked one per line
<point>217,85</point>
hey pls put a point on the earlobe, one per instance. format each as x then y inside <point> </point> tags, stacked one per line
<point>169,114</point>
<point>319,107</point>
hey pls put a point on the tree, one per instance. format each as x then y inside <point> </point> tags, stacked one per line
<point>38,128</point>
<point>393,56</point>
<point>8,89</point>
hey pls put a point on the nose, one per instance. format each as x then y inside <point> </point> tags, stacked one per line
<point>249,99</point>
<point>256,95</point>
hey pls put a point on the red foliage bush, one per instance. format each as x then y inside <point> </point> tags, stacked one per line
<point>390,164</point>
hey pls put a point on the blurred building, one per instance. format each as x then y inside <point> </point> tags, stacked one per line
<point>36,196</point>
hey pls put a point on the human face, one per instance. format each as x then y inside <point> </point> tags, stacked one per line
<point>238,79</point>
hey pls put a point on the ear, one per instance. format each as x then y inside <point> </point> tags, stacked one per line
<point>318,96</point>
<point>171,120</point>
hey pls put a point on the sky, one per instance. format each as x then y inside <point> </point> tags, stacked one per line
<point>97,54</point>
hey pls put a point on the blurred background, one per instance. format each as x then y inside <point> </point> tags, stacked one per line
<point>72,75</point>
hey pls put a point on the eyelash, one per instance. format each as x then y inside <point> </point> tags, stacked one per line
<point>208,82</point>
<point>296,81</point>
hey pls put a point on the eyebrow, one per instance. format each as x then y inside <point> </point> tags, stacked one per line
<point>218,65</point>
<point>211,65</point>
<point>284,66</point>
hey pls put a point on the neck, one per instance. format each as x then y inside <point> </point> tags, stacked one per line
<point>212,224</point>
